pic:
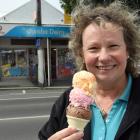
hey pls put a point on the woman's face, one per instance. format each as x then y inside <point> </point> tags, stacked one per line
<point>104,52</point>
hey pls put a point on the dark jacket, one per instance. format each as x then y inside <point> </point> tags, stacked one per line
<point>129,128</point>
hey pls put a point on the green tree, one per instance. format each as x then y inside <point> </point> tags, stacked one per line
<point>68,5</point>
<point>135,4</point>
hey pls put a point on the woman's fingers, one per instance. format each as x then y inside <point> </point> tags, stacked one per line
<point>75,136</point>
<point>67,134</point>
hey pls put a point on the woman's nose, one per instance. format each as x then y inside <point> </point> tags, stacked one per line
<point>103,55</point>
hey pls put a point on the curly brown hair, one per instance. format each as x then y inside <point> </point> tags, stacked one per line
<point>116,13</point>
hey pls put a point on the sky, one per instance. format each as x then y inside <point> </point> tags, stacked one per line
<point>8,5</point>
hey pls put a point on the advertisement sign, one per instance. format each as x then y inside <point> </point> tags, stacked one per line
<point>35,31</point>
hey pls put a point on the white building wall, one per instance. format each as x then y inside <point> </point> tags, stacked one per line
<point>51,15</point>
<point>27,12</point>
<point>23,14</point>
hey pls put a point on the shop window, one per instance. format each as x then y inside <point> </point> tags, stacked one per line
<point>13,63</point>
<point>66,66</point>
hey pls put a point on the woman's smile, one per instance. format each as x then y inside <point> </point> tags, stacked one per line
<point>105,67</point>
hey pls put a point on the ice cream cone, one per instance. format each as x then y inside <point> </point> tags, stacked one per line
<point>77,122</point>
<point>80,98</point>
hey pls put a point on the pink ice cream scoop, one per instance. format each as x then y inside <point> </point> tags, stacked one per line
<point>78,97</point>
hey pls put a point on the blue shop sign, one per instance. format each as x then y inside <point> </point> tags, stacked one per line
<point>39,31</point>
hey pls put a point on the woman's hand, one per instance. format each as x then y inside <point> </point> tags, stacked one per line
<point>67,134</point>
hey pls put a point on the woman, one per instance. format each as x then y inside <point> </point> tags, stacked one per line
<point>105,41</point>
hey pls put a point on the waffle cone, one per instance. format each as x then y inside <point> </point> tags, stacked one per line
<point>77,122</point>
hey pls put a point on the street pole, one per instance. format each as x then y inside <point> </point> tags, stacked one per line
<point>39,22</point>
<point>40,50</point>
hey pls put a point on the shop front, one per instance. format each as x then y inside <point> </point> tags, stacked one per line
<point>22,60</point>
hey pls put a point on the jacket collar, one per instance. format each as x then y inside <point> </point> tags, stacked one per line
<point>132,113</point>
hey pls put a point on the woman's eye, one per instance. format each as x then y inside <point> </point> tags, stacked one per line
<point>114,46</point>
<point>94,49</point>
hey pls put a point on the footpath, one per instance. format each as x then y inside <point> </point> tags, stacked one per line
<point>24,83</point>
<point>24,88</point>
